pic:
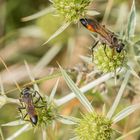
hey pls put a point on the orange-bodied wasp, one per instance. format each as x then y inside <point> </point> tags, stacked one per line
<point>107,37</point>
<point>26,99</point>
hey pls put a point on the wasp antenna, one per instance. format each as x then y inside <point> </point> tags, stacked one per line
<point>17,85</point>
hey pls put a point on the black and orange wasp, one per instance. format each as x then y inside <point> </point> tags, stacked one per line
<point>107,36</point>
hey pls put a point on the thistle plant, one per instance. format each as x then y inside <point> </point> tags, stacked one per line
<point>91,123</point>
<point>94,126</point>
<point>71,11</point>
<point>108,60</point>
<point>46,114</point>
<point>98,126</point>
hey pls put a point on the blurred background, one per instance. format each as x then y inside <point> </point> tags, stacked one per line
<point>21,41</point>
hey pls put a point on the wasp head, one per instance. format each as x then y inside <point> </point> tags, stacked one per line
<point>119,47</point>
<point>117,43</point>
<point>84,21</point>
<point>26,92</point>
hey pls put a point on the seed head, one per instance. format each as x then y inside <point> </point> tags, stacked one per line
<point>46,113</point>
<point>94,127</point>
<point>71,10</point>
<point>108,60</point>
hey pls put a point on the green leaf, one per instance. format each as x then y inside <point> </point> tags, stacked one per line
<point>1,134</point>
<point>133,72</point>
<point>84,101</point>
<point>51,97</point>
<point>20,131</point>
<point>3,100</point>
<point>125,112</point>
<point>119,95</point>
<point>131,21</point>
<point>85,88</point>
<point>59,31</point>
<point>39,14</point>
<point>67,120</point>
<point>92,13</point>
<point>48,57</point>
<point>1,87</point>
<point>14,123</point>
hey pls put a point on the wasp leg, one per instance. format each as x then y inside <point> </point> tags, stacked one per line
<point>21,102</point>
<point>92,49</point>
<point>104,44</point>
<point>20,110</point>
<point>36,93</point>
<point>39,98</point>
<point>39,95</point>
<point>25,116</point>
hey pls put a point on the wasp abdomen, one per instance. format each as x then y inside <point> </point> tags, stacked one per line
<point>88,24</point>
<point>34,119</point>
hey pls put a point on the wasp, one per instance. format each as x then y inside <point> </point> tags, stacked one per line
<point>107,36</point>
<point>29,104</point>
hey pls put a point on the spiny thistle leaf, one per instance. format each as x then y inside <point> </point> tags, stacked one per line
<point>84,101</point>
<point>67,119</point>
<point>51,97</point>
<point>39,14</point>
<point>119,95</point>
<point>59,31</point>
<point>125,112</point>
<point>92,13</point>
<point>131,21</point>
<point>14,123</point>
<point>18,132</point>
